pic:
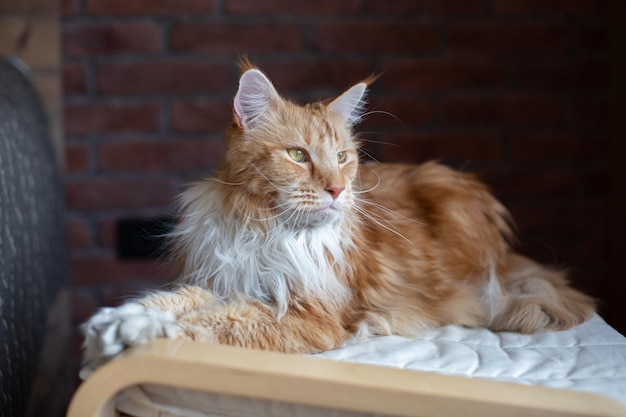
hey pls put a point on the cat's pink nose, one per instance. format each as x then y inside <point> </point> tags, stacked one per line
<point>335,190</point>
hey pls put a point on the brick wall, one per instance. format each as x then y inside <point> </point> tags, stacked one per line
<point>513,89</point>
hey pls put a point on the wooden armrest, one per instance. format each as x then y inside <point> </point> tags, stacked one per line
<point>299,379</point>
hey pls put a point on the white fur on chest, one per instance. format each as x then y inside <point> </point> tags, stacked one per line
<point>231,259</point>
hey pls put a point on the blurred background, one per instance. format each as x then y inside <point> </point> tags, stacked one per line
<point>518,91</point>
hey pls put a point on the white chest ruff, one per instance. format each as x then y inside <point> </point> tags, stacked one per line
<point>232,260</point>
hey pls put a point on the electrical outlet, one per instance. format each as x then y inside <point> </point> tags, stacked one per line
<point>143,238</point>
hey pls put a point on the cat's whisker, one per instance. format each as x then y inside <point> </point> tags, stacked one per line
<point>383,219</point>
<point>380,217</point>
<point>249,217</point>
<point>276,206</point>
<point>291,209</point>
<point>367,215</point>
<point>235,184</point>
<point>386,113</point>
<point>294,217</point>
<point>388,210</point>
<point>284,190</point>
<point>378,181</point>
<point>369,155</point>
<point>368,190</point>
<point>303,217</point>
<point>380,142</point>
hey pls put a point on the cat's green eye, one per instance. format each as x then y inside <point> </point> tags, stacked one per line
<point>341,157</point>
<point>296,154</point>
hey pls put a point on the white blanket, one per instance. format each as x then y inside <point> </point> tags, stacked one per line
<point>590,357</point>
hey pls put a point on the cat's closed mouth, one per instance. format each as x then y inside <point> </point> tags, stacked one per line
<point>327,208</point>
<point>331,209</point>
<point>324,215</point>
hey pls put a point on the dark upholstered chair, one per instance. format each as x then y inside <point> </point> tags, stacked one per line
<point>34,304</point>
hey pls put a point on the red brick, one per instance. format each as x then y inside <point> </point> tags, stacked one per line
<point>593,280</point>
<point>539,144</point>
<point>76,342</point>
<point>422,146</point>
<point>84,119</point>
<point>76,158</point>
<point>76,351</point>
<point>201,116</point>
<point>374,37</point>
<point>558,146</point>
<point>512,182</point>
<point>115,38</point>
<point>563,217</point>
<point>174,77</point>
<point>507,109</point>
<point>78,232</point>
<point>508,37</point>
<point>150,7</point>
<point>587,111</point>
<point>68,8</point>
<point>233,38</point>
<point>369,146</point>
<point>551,250</point>
<point>596,181</point>
<point>437,74</point>
<point>102,269</point>
<point>84,304</point>
<point>429,7</point>
<point>559,8</point>
<point>107,232</point>
<point>74,79</point>
<point>279,7</point>
<point>120,292</point>
<point>594,250</point>
<point>593,37</point>
<point>563,75</point>
<point>396,112</point>
<point>170,155</point>
<point>119,193</point>
<point>306,74</point>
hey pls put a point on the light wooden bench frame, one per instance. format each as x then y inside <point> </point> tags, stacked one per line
<point>309,381</point>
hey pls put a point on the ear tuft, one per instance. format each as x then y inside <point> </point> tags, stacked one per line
<point>349,105</point>
<point>255,96</point>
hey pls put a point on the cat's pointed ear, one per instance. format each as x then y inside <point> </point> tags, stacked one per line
<point>349,105</point>
<point>255,96</point>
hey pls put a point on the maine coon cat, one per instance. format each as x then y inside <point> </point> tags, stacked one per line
<point>294,246</point>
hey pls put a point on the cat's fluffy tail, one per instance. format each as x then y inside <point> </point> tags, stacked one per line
<point>530,297</point>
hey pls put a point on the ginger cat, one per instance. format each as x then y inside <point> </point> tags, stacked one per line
<point>294,246</point>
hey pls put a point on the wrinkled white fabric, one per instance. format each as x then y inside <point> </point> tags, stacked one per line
<point>590,357</point>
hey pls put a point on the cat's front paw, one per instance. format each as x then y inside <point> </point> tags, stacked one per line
<point>112,330</point>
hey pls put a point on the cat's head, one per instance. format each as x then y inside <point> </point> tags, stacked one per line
<point>301,160</point>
